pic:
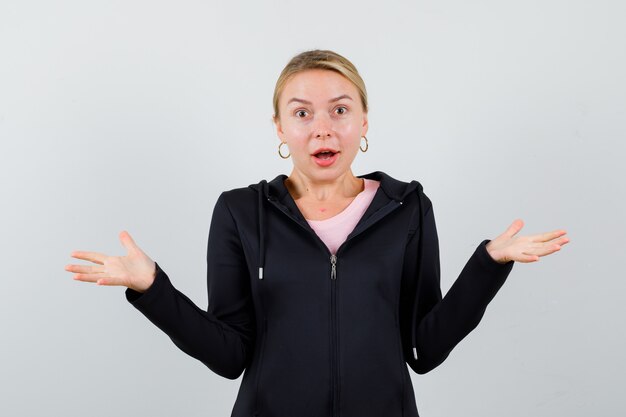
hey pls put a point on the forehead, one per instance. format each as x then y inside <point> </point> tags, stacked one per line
<point>318,83</point>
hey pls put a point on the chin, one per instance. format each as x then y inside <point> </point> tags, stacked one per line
<point>329,173</point>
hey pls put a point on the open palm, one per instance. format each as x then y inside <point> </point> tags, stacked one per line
<point>508,247</point>
<point>135,270</point>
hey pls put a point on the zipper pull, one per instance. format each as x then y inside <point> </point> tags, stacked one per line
<point>333,263</point>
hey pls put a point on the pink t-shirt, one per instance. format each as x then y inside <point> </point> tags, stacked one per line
<point>335,230</point>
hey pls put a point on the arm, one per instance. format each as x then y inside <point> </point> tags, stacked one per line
<point>441,323</point>
<point>222,336</point>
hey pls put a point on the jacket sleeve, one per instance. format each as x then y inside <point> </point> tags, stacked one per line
<point>441,323</point>
<point>222,336</point>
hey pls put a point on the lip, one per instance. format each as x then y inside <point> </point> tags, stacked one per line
<point>325,162</point>
<point>324,149</point>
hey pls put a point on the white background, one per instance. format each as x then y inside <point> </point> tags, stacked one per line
<point>135,115</point>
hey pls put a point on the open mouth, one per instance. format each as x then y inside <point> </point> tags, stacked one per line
<point>325,155</point>
<point>325,158</point>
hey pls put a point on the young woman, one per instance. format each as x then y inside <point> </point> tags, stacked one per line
<point>322,285</point>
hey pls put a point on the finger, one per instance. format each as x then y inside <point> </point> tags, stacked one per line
<point>85,269</point>
<point>95,257</point>
<point>545,237</point>
<point>109,281</point>
<point>99,279</point>
<point>127,241</point>
<point>526,258</point>
<point>560,241</point>
<point>515,227</point>
<point>543,249</point>
<point>88,277</point>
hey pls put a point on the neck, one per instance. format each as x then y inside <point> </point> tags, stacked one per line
<point>345,185</point>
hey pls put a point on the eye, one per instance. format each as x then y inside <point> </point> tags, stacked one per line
<point>341,110</point>
<point>301,113</point>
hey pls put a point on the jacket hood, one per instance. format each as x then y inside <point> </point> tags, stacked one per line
<point>394,189</point>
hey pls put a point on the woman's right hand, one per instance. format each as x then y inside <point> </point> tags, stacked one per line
<point>135,270</point>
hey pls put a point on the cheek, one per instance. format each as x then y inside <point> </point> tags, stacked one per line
<point>296,137</point>
<point>350,126</point>
<point>292,129</point>
<point>350,132</point>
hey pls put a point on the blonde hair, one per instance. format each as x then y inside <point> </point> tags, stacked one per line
<point>319,59</point>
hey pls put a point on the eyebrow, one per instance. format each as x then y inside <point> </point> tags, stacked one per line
<point>332,100</point>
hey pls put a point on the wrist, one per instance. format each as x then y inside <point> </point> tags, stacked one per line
<point>493,253</point>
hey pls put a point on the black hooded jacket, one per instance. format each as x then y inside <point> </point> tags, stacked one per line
<point>317,334</point>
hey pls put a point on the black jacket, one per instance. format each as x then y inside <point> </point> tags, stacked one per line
<point>322,335</point>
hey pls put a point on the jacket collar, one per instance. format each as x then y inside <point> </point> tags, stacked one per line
<point>394,189</point>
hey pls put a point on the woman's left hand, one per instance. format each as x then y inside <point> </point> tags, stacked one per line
<point>508,247</point>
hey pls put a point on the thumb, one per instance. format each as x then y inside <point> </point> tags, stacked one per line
<point>515,227</point>
<point>127,241</point>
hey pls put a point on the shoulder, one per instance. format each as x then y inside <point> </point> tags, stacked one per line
<point>237,198</point>
<point>235,194</point>
<point>246,198</point>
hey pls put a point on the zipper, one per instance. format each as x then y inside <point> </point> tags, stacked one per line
<point>334,338</point>
<point>375,217</point>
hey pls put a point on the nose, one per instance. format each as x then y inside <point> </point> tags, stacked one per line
<point>322,127</point>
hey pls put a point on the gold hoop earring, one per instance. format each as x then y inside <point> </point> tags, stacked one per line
<point>366,145</point>
<point>279,153</point>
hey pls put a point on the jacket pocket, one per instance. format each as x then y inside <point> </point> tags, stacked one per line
<point>257,380</point>
<point>401,362</point>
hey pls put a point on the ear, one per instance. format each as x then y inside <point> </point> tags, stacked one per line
<point>278,126</point>
<point>365,125</point>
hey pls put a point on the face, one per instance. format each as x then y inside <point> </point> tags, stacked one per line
<point>321,109</point>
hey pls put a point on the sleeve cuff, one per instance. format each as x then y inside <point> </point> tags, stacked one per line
<point>487,261</point>
<point>142,299</point>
